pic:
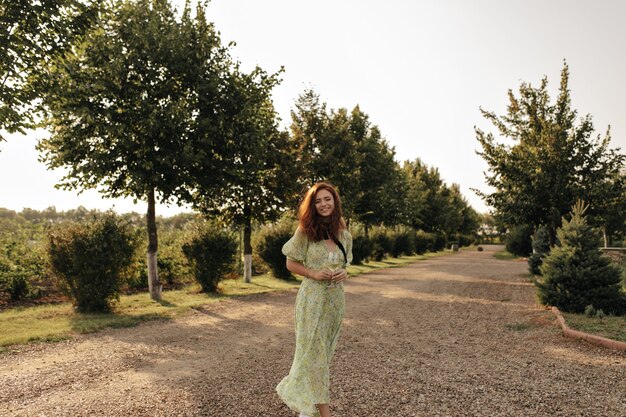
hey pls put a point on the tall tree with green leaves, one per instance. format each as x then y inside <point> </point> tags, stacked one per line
<point>309,119</point>
<point>431,206</point>
<point>32,33</point>
<point>327,149</point>
<point>346,149</point>
<point>258,175</point>
<point>553,161</point>
<point>136,110</point>
<point>381,187</point>
<point>462,218</point>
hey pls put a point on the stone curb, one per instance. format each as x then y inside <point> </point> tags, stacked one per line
<point>597,340</point>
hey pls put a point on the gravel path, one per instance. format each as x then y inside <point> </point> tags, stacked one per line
<point>458,335</point>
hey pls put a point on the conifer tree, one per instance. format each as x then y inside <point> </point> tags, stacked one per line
<point>576,275</point>
<point>541,247</point>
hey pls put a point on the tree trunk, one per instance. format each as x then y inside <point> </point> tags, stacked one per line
<point>606,241</point>
<point>153,276</point>
<point>247,245</point>
<point>367,231</point>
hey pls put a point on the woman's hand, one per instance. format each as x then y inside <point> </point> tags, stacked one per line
<point>321,275</point>
<point>339,276</point>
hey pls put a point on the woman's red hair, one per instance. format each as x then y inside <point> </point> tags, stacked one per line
<point>311,223</point>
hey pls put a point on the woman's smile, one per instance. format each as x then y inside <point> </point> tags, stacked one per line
<point>324,203</point>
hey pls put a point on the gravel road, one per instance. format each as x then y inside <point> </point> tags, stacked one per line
<point>458,335</point>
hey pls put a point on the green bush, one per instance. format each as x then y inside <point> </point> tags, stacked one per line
<point>362,248</point>
<point>17,284</point>
<point>423,242</point>
<point>576,275</point>
<point>90,260</point>
<point>138,281</point>
<point>211,253</point>
<point>167,268</point>
<point>439,243</point>
<point>465,240</point>
<point>168,271</point>
<point>541,247</point>
<point>382,245</point>
<point>22,267</point>
<point>13,280</point>
<point>269,248</point>
<point>403,244</point>
<point>518,241</point>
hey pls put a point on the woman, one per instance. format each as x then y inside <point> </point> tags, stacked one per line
<point>320,250</point>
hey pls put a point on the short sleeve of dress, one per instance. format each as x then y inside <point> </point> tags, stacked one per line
<point>348,239</point>
<point>296,247</point>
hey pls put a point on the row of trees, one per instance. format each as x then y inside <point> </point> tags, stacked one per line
<point>349,150</point>
<point>147,104</point>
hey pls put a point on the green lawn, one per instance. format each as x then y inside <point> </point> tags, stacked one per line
<point>59,321</point>
<point>609,327</point>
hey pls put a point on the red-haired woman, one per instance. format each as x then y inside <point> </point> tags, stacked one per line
<point>320,250</point>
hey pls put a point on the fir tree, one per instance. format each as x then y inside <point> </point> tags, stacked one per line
<point>541,248</point>
<point>575,274</point>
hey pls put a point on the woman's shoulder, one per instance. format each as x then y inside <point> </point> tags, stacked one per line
<point>346,234</point>
<point>300,233</point>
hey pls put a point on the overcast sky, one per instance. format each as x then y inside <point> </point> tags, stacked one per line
<point>420,69</point>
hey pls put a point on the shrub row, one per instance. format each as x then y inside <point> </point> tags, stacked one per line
<point>382,244</point>
<point>92,262</point>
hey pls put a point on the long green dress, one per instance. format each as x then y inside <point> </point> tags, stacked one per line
<point>319,312</point>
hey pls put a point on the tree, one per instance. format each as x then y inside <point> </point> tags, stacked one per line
<point>136,109</point>
<point>576,275</point>
<point>31,34</point>
<point>346,149</point>
<point>327,149</point>
<point>552,162</point>
<point>381,187</point>
<point>308,123</point>
<point>463,218</point>
<point>258,177</point>
<point>429,209</point>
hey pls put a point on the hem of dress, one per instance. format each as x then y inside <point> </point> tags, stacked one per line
<point>293,407</point>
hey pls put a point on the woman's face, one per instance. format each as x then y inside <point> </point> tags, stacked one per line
<point>324,203</point>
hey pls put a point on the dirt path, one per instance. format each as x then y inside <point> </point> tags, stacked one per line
<point>458,335</point>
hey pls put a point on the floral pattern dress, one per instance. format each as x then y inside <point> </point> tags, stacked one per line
<point>318,316</point>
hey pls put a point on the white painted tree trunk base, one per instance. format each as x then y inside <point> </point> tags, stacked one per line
<point>153,277</point>
<point>247,268</point>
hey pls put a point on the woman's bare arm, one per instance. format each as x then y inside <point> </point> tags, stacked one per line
<point>298,268</point>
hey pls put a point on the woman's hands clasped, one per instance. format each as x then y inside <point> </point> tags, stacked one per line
<point>338,276</point>
<point>329,276</point>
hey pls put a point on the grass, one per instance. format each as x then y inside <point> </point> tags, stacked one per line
<point>354,270</point>
<point>56,322</point>
<point>610,327</point>
<point>505,256</point>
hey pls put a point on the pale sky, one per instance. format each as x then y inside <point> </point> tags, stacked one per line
<point>420,69</point>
